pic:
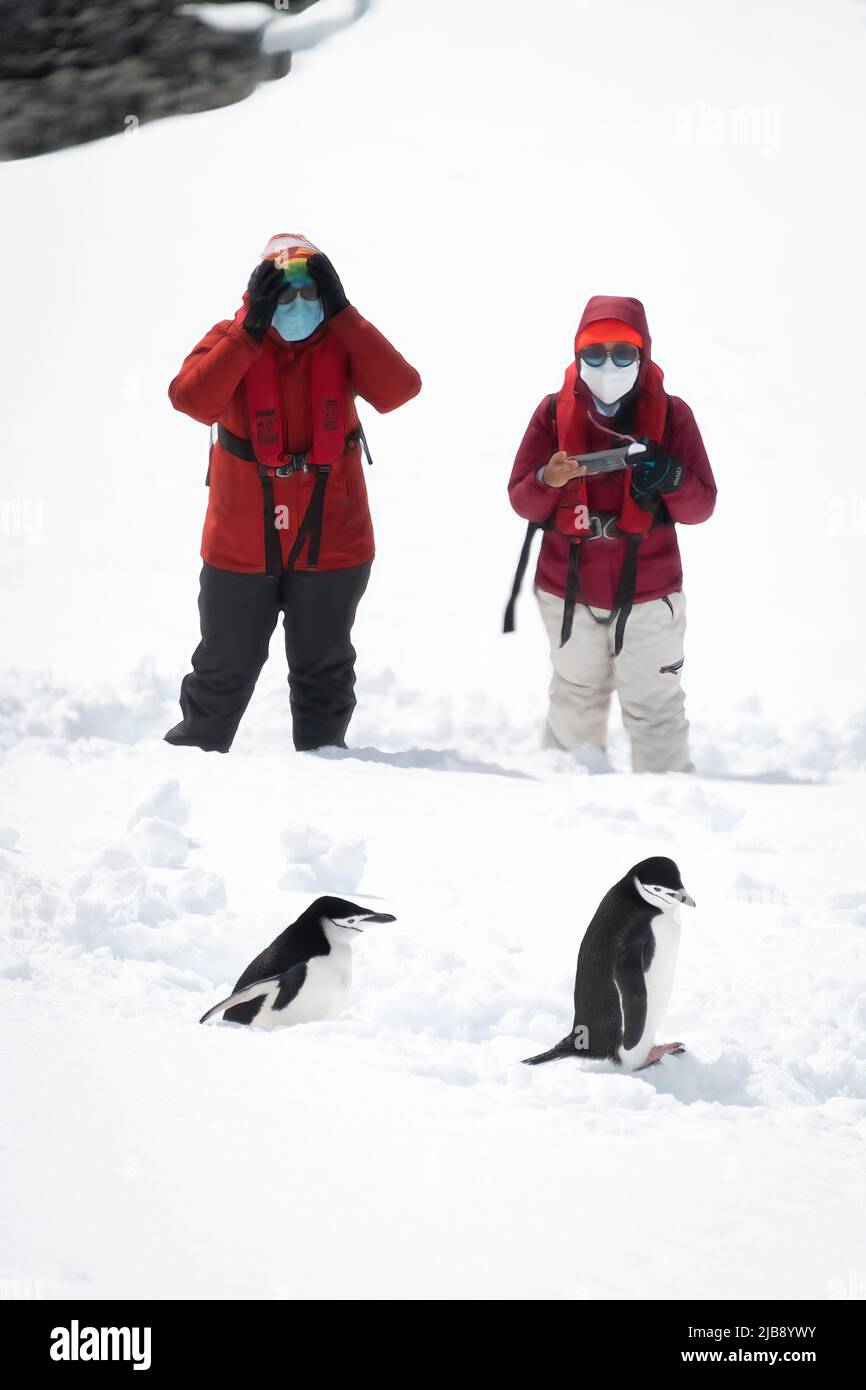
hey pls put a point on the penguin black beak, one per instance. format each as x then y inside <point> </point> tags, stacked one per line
<point>379,917</point>
<point>685,898</point>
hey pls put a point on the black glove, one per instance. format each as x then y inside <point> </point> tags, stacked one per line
<point>267,283</point>
<point>654,473</point>
<point>331,290</point>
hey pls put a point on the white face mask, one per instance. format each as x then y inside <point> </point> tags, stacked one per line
<point>609,383</point>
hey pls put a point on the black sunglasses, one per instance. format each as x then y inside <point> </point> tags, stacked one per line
<point>621,354</point>
<point>309,290</point>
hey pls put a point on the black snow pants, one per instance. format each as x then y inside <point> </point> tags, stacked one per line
<point>238,615</point>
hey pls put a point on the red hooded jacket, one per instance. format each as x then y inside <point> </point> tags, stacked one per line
<point>209,387</point>
<point>659,569</point>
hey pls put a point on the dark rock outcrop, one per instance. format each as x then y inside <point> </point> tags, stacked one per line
<point>75,70</point>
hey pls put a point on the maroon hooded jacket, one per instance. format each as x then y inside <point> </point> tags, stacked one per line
<point>659,569</point>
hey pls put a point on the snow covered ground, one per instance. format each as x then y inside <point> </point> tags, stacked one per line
<point>475,173</point>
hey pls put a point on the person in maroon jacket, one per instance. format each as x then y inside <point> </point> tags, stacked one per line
<point>609,577</point>
<point>288,526</point>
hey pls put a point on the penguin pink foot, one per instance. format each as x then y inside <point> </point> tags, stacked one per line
<point>661,1050</point>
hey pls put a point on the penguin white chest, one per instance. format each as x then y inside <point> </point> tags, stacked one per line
<point>659,980</point>
<point>320,997</point>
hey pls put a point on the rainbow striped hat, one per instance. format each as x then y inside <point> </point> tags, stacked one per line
<point>290,251</point>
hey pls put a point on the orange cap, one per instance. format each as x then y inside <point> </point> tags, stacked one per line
<point>607,331</point>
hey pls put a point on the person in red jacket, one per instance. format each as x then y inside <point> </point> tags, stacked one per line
<point>609,577</point>
<point>288,526</point>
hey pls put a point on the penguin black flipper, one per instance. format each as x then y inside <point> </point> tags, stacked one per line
<point>243,1004</point>
<point>631,983</point>
<point>565,1048</point>
<point>290,986</point>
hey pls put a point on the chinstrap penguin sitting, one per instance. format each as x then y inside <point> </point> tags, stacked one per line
<point>305,974</point>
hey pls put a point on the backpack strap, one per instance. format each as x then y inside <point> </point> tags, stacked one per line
<point>508,623</point>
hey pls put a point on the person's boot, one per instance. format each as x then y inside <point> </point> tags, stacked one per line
<point>180,737</point>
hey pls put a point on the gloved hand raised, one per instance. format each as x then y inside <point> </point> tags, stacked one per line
<point>267,283</point>
<point>654,473</point>
<point>332,294</point>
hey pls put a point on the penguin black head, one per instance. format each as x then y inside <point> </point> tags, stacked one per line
<point>341,920</point>
<point>658,881</point>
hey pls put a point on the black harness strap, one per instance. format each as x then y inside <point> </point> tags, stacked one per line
<point>273,553</point>
<point>243,449</point>
<point>209,457</point>
<point>508,622</point>
<point>234,444</point>
<point>625,591</point>
<point>572,589</point>
<point>602,527</point>
<point>311,526</point>
<point>362,439</point>
<point>622,604</point>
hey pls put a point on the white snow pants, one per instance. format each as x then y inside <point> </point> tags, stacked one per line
<point>586,673</point>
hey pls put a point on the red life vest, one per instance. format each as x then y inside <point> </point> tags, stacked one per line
<point>574,431</point>
<point>332,409</point>
<point>330,406</point>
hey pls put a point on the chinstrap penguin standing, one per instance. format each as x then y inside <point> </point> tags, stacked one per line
<point>304,975</point>
<point>625,970</point>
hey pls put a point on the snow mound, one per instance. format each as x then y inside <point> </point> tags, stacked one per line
<point>159,843</point>
<point>316,863</point>
<point>165,802</point>
<point>119,904</point>
<point>35,706</point>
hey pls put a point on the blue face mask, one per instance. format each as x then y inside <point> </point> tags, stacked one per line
<point>299,319</point>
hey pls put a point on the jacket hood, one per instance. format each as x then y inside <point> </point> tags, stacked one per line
<point>614,306</point>
<point>631,311</point>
